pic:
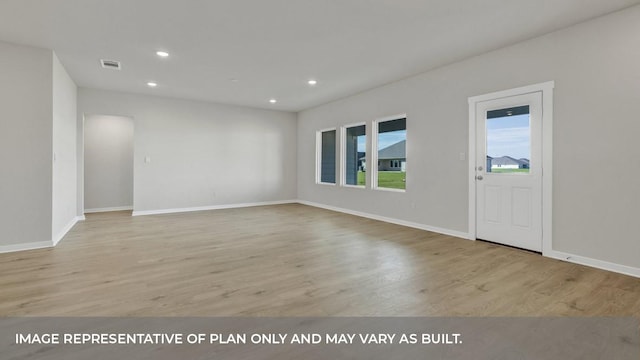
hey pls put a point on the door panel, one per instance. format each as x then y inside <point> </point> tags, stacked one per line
<point>492,204</point>
<point>509,171</point>
<point>521,207</point>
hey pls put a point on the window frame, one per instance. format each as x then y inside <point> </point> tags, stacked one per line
<point>343,155</point>
<point>319,156</point>
<point>373,175</point>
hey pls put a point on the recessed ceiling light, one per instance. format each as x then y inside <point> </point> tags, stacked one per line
<point>312,82</point>
<point>233,80</point>
<point>163,54</point>
<point>273,101</point>
<point>152,84</point>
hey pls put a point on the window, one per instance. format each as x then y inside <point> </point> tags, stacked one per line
<point>326,157</point>
<point>508,139</point>
<point>354,155</point>
<point>391,150</point>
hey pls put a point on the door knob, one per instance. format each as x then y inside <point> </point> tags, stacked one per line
<point>479,177</point>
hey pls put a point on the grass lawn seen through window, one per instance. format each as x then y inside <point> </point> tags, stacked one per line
<point>386,179</point>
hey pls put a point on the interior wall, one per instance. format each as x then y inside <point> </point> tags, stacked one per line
<point>203,154</point>
<point>108,162</point>
<point>25,146</point>
<point>594,65</point>
<point>64,181</point>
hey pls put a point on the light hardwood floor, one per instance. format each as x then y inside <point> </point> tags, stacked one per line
<point>294,260</point>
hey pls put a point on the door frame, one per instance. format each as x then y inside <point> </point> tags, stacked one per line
<point>546,89</point>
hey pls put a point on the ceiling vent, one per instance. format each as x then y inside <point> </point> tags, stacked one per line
<point>110,64</point>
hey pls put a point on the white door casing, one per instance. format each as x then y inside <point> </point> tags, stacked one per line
<point>512,208</point>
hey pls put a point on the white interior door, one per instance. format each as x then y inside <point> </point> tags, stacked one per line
<point>508,171</point>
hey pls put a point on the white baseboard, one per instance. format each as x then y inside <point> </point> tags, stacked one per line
<point>42,244</point>
<point>435,229</point>
<point>108,209</point>
<point>213,207</point>
<point>599,264</point>
<point>25,246</point>
<point>66,229</point>
<point>559,255</point>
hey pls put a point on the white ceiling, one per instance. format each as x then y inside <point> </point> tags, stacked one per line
<point>274,46</point>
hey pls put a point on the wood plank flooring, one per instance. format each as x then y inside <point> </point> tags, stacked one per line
<point>294,260</point>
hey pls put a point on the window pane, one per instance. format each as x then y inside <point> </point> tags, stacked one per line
<point>355,146</point>
<point>508,140</point>
<point>328,157</point>
<point>392,158</point>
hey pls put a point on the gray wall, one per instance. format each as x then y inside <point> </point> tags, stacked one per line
<point>65,187</point>
<point>596,197</point>
<point>203,154</point>
<point>108,162</point>
<point>25,145</point>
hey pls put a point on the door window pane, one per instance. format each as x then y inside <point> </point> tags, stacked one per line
<point>508,140</point>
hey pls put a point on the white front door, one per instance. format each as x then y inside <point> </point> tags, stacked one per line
<point>508,170</point>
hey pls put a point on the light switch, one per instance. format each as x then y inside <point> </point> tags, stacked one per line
<point>147,159</point>
<point>463,156</point>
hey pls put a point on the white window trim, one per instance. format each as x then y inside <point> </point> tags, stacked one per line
<point>373,175</point>
<point>392,190</point>
<point>547,157</point>
<point>319,156</point>
<point>343,154</point>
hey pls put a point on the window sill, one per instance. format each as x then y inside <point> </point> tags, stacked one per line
<point>325,184</point>
<point>354,187</point>
<point>391,189</point>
